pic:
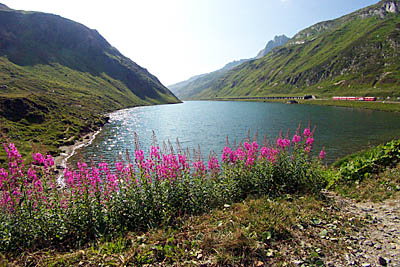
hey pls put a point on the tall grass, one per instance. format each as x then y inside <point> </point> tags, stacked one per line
<point>104,201</point>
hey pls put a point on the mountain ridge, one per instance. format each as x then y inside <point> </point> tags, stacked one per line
<point>354,54</point>
<point>194,85</point>
<point>62,77</point>
<point>278,40</point>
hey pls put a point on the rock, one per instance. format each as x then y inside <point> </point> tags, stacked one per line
<point>297,262</point>
<point>366,265</point>
<point>382,261</point>
<point>369,243</point>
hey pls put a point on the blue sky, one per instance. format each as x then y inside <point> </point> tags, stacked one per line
<point>177,39</point>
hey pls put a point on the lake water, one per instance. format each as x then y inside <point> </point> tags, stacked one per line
<point>207,124</point>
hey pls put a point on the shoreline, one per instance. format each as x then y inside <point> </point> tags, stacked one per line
<point>392,106</point>
<point>61,160</point>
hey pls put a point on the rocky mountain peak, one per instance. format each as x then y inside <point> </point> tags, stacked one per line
<point>278,40</point>
<point>391,7</point>
<point>381,9</point>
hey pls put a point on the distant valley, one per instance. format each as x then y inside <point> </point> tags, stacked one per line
<point>195,85</point>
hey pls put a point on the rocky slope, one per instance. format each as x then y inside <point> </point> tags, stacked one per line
<point>357,54</point>
<point>279,40</point>
<point>57,78</point>
<point>195,85</point>
<point>376,244</point>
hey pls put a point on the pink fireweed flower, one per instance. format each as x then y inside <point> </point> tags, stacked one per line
<point>296,139</point>
<point>119,166</point>
<point>68,178</point>
<point>249,161</point>
<point>139,156</point>
<point>264,152</point>
<point>247,146</point>
<point>255,146</point>
<point>49,161</point>
<point>226,154</point>
<point>252,149</point>
<point>240,154</point>
<point>154,152</point>
<point>282,143</point>
<point>272,155</point>
<point>307,132</point>
<point>31,174</point>
<point>38,185</point>
<point>199,168</point>
<point>38,158</point>
<point>112,182</point>
<point>103,166</point>
<point>183,163</point>
<point>82,165</point>
<point>307,149</point>
<point>3,178</point>
<point>322,154</point>
<point>15,163</point>
<point>12,152</point>
<point>310,141</point>
<point>213,165</point>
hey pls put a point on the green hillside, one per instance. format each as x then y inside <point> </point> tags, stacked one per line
<point>58,78</point>
<point>195,85</point>
<point>198,83</point>
<point>357,54</point>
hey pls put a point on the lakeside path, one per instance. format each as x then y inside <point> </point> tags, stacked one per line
<point>68,151</point>
<point>376,244</point>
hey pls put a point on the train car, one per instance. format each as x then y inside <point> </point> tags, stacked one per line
<point>354,98</point>
<point>370,98</point>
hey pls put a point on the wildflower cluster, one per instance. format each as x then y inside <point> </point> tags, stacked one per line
<point>104,200</point>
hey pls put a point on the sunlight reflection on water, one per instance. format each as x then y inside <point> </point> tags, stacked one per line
<point>206,123</point>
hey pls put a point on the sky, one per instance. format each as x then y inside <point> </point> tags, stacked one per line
<point>177,39</point>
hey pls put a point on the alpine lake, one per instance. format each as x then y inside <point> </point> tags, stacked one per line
<point>208,125</point>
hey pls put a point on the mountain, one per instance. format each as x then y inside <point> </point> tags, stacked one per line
<point>198,83</point>
<point>357,54</point>
<point>4,7</point>
<point>58,78</point>
<point>279,40</point>
<point>195,85</point>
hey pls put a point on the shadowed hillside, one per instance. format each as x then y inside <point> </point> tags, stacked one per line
<point>58,78</point>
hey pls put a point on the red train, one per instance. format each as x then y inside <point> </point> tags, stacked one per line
<point>355,98</point>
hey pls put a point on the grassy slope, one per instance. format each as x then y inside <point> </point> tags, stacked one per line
<point>58,78</point>
<point>393,107</point>
<point>256,232</point>
<point>74,103</point>
<point>197,84</point>
<point>355,56</point>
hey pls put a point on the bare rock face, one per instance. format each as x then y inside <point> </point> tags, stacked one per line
<point>382,9</point>
<point>279,40</point>
<point>391,7</point>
